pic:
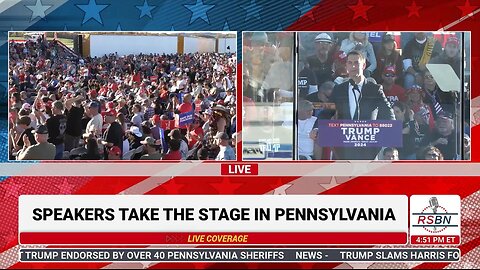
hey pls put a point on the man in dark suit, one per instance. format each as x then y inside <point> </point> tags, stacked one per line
<point>359,99</point>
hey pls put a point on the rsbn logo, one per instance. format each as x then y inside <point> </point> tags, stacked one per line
<point>434,218</point>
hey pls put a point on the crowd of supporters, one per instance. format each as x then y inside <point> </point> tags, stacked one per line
<point>120,107</point>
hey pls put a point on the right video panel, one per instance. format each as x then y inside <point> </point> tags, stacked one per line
<point>382,96</point>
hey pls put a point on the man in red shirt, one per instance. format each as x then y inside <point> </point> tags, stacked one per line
<point>174,150</point>
<point>393,92</point>
<point>196,132</point>
<point>185,107</point>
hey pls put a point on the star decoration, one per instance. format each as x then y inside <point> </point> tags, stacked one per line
<point>253,10</point>
<point>199,11</point>
<point>226,27</point>
<point>413,10</point>
<point>92,11</point>
<point>38,10</point>
<point>279,27</point>
<point>119,27</point>
<point>333,183</point>
<point>467,8</point>
<point>355,265</point>
<point>146,10</point>
<point>146,265</point>
<point>306,9</point>
<point>7,238</point>
<point>169,187</point>
<point>11,189</point>
<point>360,10</point>
<point>172,29</point>
<point>65,187</point>
<point>282,190</point>
<point>226,186</point>
<point>476,117</point>
<point>65,28</point>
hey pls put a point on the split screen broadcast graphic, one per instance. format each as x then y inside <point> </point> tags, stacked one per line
<point>175,96</point>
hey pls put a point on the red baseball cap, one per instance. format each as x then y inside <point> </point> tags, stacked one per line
<point>341,56</point>
<point>110,105</point>
<point>453,40</point>
<point>389,70</point>
<point>110,113</point>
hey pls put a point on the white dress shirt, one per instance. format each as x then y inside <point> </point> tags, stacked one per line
<point>351,97</point>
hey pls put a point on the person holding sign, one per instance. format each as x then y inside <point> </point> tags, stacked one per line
<point>359,99</point>
<point>184,108</point>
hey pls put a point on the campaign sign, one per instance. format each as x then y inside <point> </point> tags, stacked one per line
<point>185,119</point>
<point>362,133</point>
<point>303,84</point>
<point>375,36</point>
<point>167,124</point>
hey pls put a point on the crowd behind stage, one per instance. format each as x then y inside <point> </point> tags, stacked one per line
<point>120,107</point>
<point>396,61</point>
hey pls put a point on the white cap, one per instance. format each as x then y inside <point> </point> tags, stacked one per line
<point>135,130</point>
<point>323,37</point>
<point>26,106</point>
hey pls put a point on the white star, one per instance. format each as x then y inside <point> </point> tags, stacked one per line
<point>38,10</point>
<point>253,10</point>
<point>146,9</point>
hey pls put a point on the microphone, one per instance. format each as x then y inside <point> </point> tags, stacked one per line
<point>434,204</point>
<point>352,82</point>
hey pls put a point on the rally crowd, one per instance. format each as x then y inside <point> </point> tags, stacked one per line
<point>120,107</point>
<point>430,131</point>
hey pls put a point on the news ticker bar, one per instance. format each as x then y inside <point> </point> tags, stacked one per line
<point>240,255</point>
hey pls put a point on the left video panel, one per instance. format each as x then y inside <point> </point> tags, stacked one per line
<point>122,95</point>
